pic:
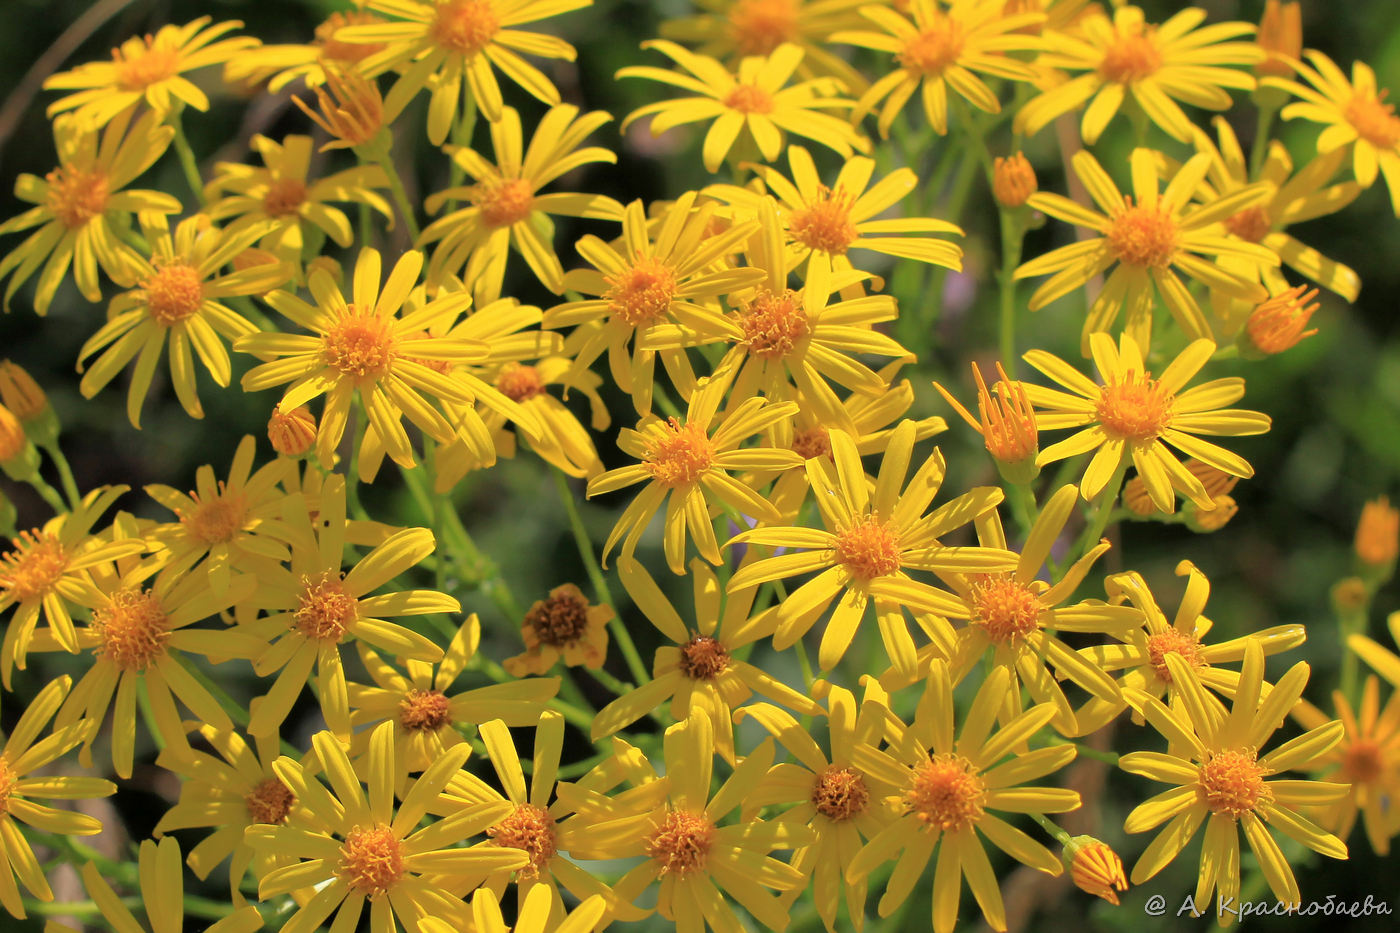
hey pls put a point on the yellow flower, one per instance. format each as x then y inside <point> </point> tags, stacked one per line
<point>365,347</point>
<point>1220,780</point>
<point>504,206</point>
<point>1355,114</point>
<point>869,541</point>
<point>937,48</point>
<point>354,847</point>
<point>425,710</point>
<point>537,914</point>
<point>699,673</point>
<point>1158,65</point>
<point>946,790</point>
<point>79,205</point>
<point>1130,417</point>
<point>1143,241</point>
<point>1367,758</point>
<point>313,607</point>
<point>684,464</point>
<point>757,97</point>
<point>563,441</point>
<point>445,44</point>
<point>656,280</point>
<point>281,193</point>
<point>149,68</point>
<point>180,297</point>
<point>562,626</point>
<point>20,756</point>
<point>48,569</point>
<point>227,792</point>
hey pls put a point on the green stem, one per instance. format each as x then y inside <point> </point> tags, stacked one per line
<point>47,493</point>
<point>1052,828</point>
<point>193,907</point>
<point>617,686</point>
<point>238,712</point>
<point>1023,506</point>
<point>352,469</point>
<point>1085,751</point>
<point>65,473</point>
<point>188,164</point>
<point>400,196</point>
<point>148,715</point>
<point>1104,509</point>
<point>1013,231</point>
<point>462,131</point>
<point>1261,140</point>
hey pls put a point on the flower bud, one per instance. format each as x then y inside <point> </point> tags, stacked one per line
<point>1006,423</point>
<point>1013,180</point>
<point>1277,324</point>
<point>18,457</point>
<point>1095,867</point>
<point>1213,519</point>
<point>352,110</point>
<point>292,434</point>
<point>23,396</point>
<point>1378,539</point>
<point>1280,35</point>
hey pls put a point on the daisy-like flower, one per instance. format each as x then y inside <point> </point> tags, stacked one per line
<point>20,756</point>
<point>443,45</point>
<point>946,790</point>
<point>280,192</point>
<point>355,847</point>
<point>564,443</point>
<point>227,791</point>
<point>1157,65</point>
<point>280,65</point>
<point>536,915</point>
<point>684,462</point>
<point>563,626</point>
<point>47,569</point>
<point>1130,417</point>
<point>841,804</point>
<point>162,895</point>
<point>78,204</point>
<point>504,208</point>
<point>657,277</point>
<point>868,543</point>
<point>1019,617</point>
<point>179,299</point>
<point>937,47</point>
<point>1367,758</point>
<point>696,860</point>
<point>822,224</point>
<point>1144,240</point>
<point>757,98</point>
<point>1219,779</point>
<point>148,68</point>
<point>1355,115</point>
<point>425,710</point>
<point>700,674</point>
<point>235,523</point>
<point>1142,652</point>
<point>365,347</point>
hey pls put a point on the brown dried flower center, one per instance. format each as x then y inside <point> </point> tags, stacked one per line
<point>269,802</point>
<point>704,658</point>
<point>774,324</point>
<point>558,619</point>
<point>840,794</point>
<point>424,710</point>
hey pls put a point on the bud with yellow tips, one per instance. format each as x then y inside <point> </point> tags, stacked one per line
<point>1013,180</point>
<point>27,401</point>
<point>1006,423</point>
<point>1095,867</point>
<point>292,433</point>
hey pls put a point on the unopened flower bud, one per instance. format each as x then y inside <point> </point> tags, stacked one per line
<point>1378,539</point>
<point>1280,34</point>
<point>1217,483</point>
<point>18,457</point>
<point>351,109</point>
<point>292,434</point>
<point>1006,423</point>
<point>1212,519</point>
<point>1013,180</point>
<point>1277,324</point>
<point>23,396</point>
<point>1350,596</point>
<point>1095,867</point>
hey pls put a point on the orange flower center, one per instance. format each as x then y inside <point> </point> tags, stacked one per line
<point>704,658</point>
<point>642,292</point>
<point>1136,409</point>
<point>1374,120</point>
<point>141,63</point>
<point>825,224</point>
<point>531,830</point>
<point>504,202</point>
<point>774,324</point>
<point>1252,224</point>
<point>1144,236</point>
<point>749,98</point>
<point>681,843</point>
<point>558,620</point>
<point>465,26</point>
<point>360,343</point>
<point>812,442</point>
<point>1134,56</point>
<point>680,455</point>
<point>132,629</point>
<point>757,27</point>
<point>284,196</point>
<point>868,549</point>
<point>75,196</point>
<point>1008,611</point>
<point>840,794</point>
<point>1363,762</point>
<point>934,49</point>
<point>519,382</point>
<point>36,563</point>
<point>424,710</point>
<point>216,520</point>
<point>175,292</point>
<point>1173,641</point>
<point>1233,783</point>
<point>269,802</point>
<point>371,860</point>
<point>8,779</point>
<point>347,51</point>
<point>324,611</point>
<point>946,793</point>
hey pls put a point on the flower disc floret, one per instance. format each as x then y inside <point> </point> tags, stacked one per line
<point>704,658</point>
<point>1132,56</point>
<point>325,611</point>
<point>680,456</point>
<point>1136,408</point>
<point>757,27</point>
<point>933,49</point>
<point>945,793</point>
<point>269,802</point>
<point>642,292</point>
<point>1252,223</point>
<point>1374,120</point>
<point>466,26</point>
<point>75,196</point>
<point>531,830</point>
<point>868,549</point>
<point>360,344</point>
<point>424,710</point>
<point>144,62</point>
<point>216,520</point>
<point>1363,762</point>
<point>503,203</point>
<point>749,98</point>
<point>284,196</point>
<point>812,442</point>
<point>840,794</point>
<point>132,630</point>
<point>1144,236</point>
<point>34,566</point>
<point>558,620</point>
<point>371,860</point>
<point>774,323</point>
<point>1005,608</point>
<point>826,223</point>
<point>1169,642</point>
<point>1232,782</point>
<point>519,382</point>
<point>174,293</point>
<point>681,844</point>
<point>8,779</point>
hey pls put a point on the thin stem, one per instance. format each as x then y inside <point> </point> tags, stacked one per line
<point>65,473</point>
<point>188,163</point>
<point>352,469</point>
<point>1261,140</point>
<point>1049,825</point>
<point>400,196</point>
<point>1085,751</point>
<point>1013,231</point>
<point>1095,529</point>
<point>618,687</point>
<point>148,715</point>
<point>193,907</point>
<point>48,493</point>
